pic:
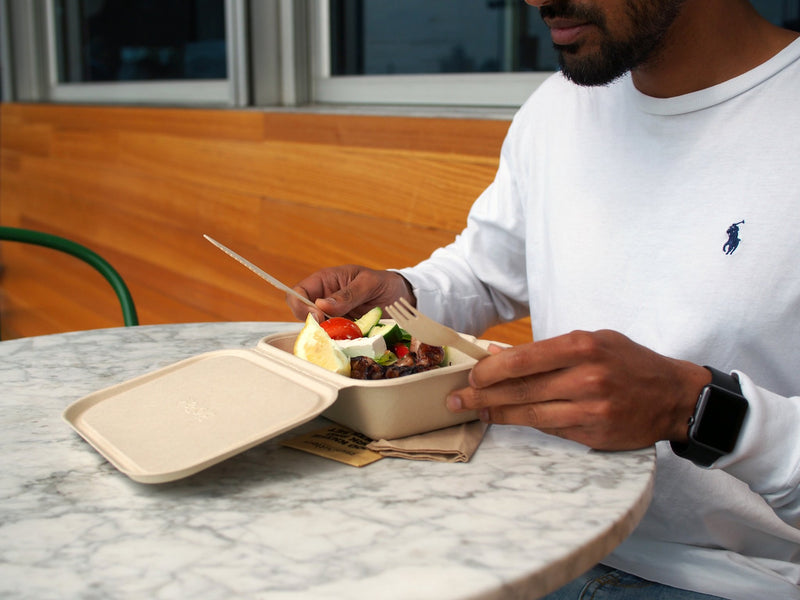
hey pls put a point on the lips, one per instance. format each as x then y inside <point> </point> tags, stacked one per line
<point>566,31</point>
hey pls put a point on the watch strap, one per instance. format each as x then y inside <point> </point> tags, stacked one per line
<point>699,455</point>
<point>724,380</point>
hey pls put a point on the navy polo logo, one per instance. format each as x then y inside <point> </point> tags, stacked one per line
<point>730,246</point>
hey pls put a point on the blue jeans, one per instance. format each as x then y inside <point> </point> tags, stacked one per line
<point>605,583</point>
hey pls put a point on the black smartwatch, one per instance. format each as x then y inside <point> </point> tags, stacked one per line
<point>717,420</point>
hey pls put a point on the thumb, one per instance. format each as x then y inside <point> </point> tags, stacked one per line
<point>339,303</point>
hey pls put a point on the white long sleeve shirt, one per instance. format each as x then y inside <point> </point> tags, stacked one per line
<point>611,210</point>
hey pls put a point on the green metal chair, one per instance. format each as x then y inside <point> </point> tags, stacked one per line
<point>38,238</point>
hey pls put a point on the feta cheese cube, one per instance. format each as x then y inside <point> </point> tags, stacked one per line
<point>373,347</point>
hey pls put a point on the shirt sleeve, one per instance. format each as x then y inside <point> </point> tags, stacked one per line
<point>480,280</point>
<point>767,454</point>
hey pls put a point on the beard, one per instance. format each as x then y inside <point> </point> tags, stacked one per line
<point>649,21</point>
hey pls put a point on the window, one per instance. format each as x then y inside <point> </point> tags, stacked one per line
<point>381,37</point>
<point>785,13</point>
<point>139,41</point>
<point>148,51</point>
<point>465,52</point>
<point>6,85</point>
<point>470,52</point>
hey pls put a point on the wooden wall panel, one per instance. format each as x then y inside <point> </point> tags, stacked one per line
<point>292,192</point>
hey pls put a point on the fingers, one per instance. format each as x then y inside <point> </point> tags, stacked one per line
<point>586,422</point>
<point>552,416</point>
<point>512,392</point>
<point>301,310</point>
<point>534,358</point>
<point>561,418</point>
<point>349,290</point>
<point>339,303</point>
<point>325,289</point>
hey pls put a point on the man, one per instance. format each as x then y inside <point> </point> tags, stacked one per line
<point>671,124</point>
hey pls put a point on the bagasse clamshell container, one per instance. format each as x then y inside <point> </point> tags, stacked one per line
<point>185,417</point>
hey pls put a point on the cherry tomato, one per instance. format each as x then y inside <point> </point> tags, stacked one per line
<point>340,328</point>
<point>400,350</point>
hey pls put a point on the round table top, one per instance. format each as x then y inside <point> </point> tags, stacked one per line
<point>528,513</point>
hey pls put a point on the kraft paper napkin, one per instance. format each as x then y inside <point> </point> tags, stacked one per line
<point>336,442</point>
<point>452,444</point>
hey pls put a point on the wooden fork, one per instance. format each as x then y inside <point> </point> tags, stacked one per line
<point>429,331</point>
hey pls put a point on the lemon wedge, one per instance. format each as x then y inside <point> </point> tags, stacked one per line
<point>315,345</point>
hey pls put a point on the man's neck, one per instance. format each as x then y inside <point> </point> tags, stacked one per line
<point>711,41</point>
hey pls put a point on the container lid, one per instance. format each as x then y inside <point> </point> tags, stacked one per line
<point>183,418</point>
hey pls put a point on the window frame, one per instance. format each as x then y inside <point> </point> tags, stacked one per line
<point>231,91</point>
<point>6,63</point>
<point>446,89</point>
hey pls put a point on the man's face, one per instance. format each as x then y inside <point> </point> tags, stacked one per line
<point>600,40</point>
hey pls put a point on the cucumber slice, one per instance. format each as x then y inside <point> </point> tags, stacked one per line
<point>446,361</point>
<point>369,319</point>
<point>391,333</point>
<point>386,359</point>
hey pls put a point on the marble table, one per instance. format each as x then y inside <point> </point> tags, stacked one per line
<point>525,515</point>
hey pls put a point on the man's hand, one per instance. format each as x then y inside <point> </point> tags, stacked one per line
<point>600,389</point>
<point>349,290</point>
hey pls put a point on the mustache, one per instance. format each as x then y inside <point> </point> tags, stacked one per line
<point>566,9</point>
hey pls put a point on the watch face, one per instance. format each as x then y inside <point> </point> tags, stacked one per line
<point>719,418</point>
